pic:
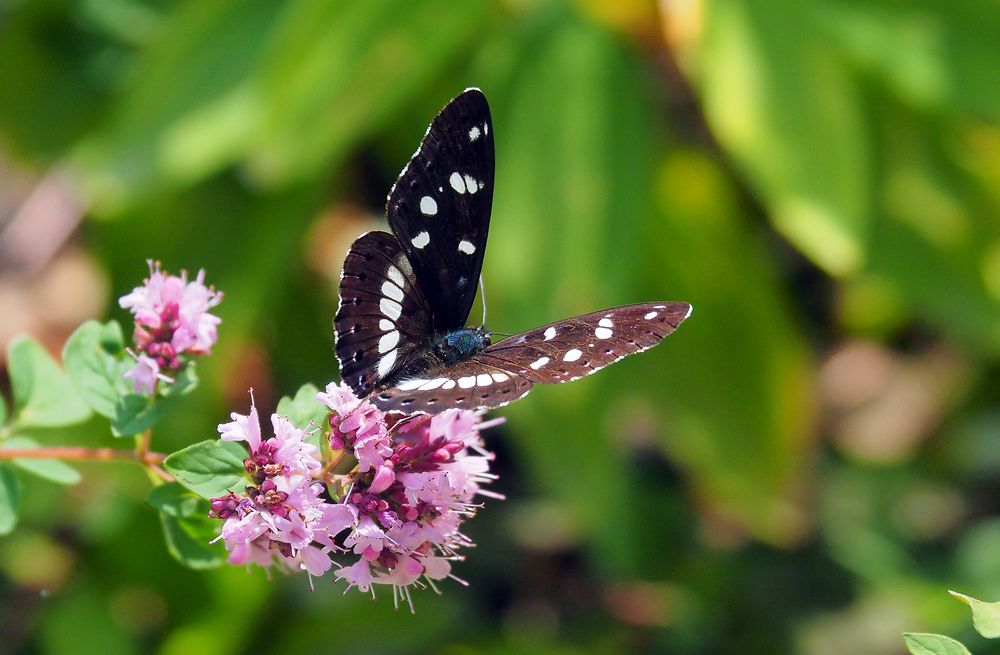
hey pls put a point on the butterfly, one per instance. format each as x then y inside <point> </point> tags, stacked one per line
<point>405,297</point>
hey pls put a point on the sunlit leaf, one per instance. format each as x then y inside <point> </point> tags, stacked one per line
<point>134,413</point>
<point>304,411</point>
<point>920,643</point>
<point>209,468</point>
<point>90,361</point>
<point>985,616</point>
<point>10,495</point>
<point>43,396</point>
<point>787,109</point>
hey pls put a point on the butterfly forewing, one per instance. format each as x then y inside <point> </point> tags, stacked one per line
<point>439,208</point>
<point>383,321</point>
<point>559,352</point>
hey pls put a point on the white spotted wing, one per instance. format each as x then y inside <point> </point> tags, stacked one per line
<point>559,352</point>
<point>383,322</point>
<point>439,208</point>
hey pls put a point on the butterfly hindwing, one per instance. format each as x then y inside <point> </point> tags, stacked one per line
<point>439,208</point>
<point>383,319</point>
<point>559,352</point>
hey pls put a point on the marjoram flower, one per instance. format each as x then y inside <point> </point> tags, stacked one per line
<point>172,322</point>
<point>395,517</point>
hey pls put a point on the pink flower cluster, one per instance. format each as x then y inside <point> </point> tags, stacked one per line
<point>282,517</point>
<point>396,515</point>
<point>171,320</point>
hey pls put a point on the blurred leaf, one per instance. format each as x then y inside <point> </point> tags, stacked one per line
<point>185,381</point>
<point>134,413</point>
<point>90,361</point>
<point>174,500</point>
<point>931,54</point>
<point>10,495</point>
<point>83,622</point>
<point>209,468</point>
<point>787,109</point>
<point>188,540</point>
<point>920,643</point>
<point>304,411</point>
<point>43,396</point>
<point>52,470</point>
<point>366,59</point>
<point>3,410</point>
<point>985,616</point>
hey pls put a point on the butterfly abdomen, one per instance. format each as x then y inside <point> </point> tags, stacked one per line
<point>460,345</point>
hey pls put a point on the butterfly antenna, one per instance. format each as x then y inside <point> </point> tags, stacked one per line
<point>482,294</point>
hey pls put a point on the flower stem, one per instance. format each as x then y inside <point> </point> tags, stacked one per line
<point>148,459</point>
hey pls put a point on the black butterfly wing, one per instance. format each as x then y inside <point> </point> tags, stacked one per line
<point>439,208</point>
<point>383,321</point>
<point>559,352</point>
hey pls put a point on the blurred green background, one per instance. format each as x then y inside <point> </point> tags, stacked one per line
<point>804,467</point>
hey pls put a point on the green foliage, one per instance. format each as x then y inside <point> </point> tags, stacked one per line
<point>303,410</point>
<point>134,413</point>
<point>92,357</point>
<point>929,644</point>
<point>815,177</point>
<point>10,494</point>
<point>985,616</point>
<point>43,396</point>
<point>208,468</point>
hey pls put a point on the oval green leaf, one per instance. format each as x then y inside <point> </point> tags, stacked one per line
<point>209,468</point>
<point>10,495</point>
<point>985,616</point>
<point>922,643</point>
<point>43,395</point>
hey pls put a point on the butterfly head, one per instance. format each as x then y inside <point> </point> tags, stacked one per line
<point>459,345</point>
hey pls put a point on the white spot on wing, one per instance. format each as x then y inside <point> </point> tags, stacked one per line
<point>450,384</point>
<point>466,246</point>
<point>550,333</point>
<point>471,184</point>
<point>410,385</point>
<point>386,363</point>
<point>467,382</point>
<point>428,206</point>
<point>474,133</point>
<point>650,316</point>
<point>538,363</point>
<point>605,322</point>
<point>396,276</point>
<point>603,333</point>
<point>486,129</point>
<point>483,380</point>
<point>500,377</point>
<point>388,341</point>
<point>572,355</point>
<point>421,240</point>
<point>390,290</point>
<point>457,183</point>
<point>433,384</point>
<point>385,325</point>
<point>390,308</point>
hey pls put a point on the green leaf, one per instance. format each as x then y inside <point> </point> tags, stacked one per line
<point>185,381</point>
<point>304,411</point>
<point>985,616</point>
<point>784,105</point>
<point>52,470</point>
<point>922,643</point>
<point>43,396</point>
<point>174,500</point>
<point>188,540</point>
<point>90,361</point>
<point>209,468</point>
<point>134,413</point>
<point>10,495</point>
